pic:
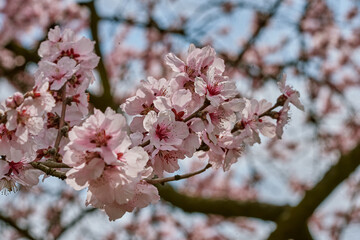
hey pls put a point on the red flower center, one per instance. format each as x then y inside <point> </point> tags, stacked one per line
<point>119,156</point>
<point>100,139</point>
<point>162,132</point>
<point>213,90</point>
<point>23,116</point>
<point>15,167</point>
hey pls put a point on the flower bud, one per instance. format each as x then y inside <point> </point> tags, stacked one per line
<point>18,98</point>
<point>10,103</point>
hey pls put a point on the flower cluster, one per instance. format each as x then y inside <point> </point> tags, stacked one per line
<point>198,112</point>
<point>198,109</point>
<point>32,124</point>
<point>101,160</point>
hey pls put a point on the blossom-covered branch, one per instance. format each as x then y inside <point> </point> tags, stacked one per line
<point>192,114</point>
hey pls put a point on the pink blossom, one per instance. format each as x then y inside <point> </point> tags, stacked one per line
<point>177,102</point>
<point>282,120</point>
<point>89,166</point>
<point>166,161</point>
<point>80,81</point>
<point>101,133</point>
<point>79,176</point>
<point>13,150</point>
<point>79,100</point>
<point>52,47</point>
<point>112,184</point>
<point>251,124</point>
<point>56,73</point>
<point>17,172</point>
<point>134,160</point>
<point>42,98</point>
<point>117,193</point>
<point>215,87</point>
<point>75,113</point>
<point>215,120</point>
<point>143,101</point>
<point>291,94</point>
<point>24,120</point>
<point>64,44</point>
<point>82,51</point>
<point>231,157</point>
<point>197,62</point>
<point>145,194</point>
<point>164,132</point>
<point>190,144</point>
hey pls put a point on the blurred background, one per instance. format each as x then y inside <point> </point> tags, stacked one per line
<point>305,186</point>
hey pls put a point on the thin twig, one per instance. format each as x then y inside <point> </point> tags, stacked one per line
<point>152,24</point>
<point>48,166</point>
<point>239,124</point>
<point>197,112</point>
<point>144,144</point>
<point>269,110</point>
<point>177,177</point>
<point>62,117</point>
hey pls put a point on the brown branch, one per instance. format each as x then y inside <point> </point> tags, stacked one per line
<point>287,224</point>
<point>151,24</point>
<point>223,207</point>
<point>75,221</point>
<point>106,100</point>
<point>198,112</point>
<point>49,171</point>
<point>177,177</point>
<point>62,118</point>
<point>263,23</point>
<point>144,144</point>
<point>29,55</point>
<point>53,164</point>
<point>21,231</point>
<point>14,74</point>
<point>239,125</point>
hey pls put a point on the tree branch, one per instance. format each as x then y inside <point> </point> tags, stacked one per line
<point>53,164</point>
<point>151,24</point>
<point>29,55</point>
<point>106,99</point>
<point>223,207</point>
<point>12,223</point>
<point>62,118</point>
<point>48,170</point>
<point>287,224</point>
<point>264,21</point>
<point>177,177</point>
<point>198,112</point>
<point>75,221</point>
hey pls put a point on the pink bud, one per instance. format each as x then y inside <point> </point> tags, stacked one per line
<point>10,103</point>
<point>18,98</point>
